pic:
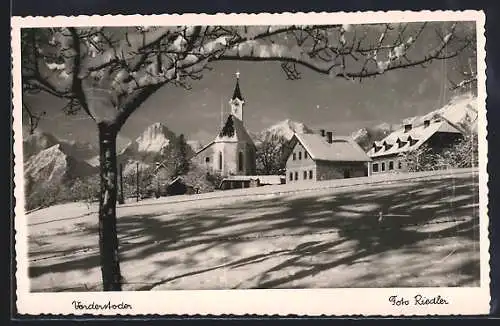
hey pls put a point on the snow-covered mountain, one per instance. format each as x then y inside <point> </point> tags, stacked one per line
<point>460,111</point>
<point>285,128</point>
<point>195,144</point>
<point>36,142</point>
<point>39,140</point>
<point>150,147</point>
<point>81,151</point>
<point>53,166</point>
<point>153,140</point>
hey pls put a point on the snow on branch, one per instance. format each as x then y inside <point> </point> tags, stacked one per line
<point>133,62</point>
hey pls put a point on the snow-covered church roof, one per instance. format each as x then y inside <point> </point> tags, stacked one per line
<point>234,130</point>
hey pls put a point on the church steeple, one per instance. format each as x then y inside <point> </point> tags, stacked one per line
<point>237,100</point>
<point>237,91</point>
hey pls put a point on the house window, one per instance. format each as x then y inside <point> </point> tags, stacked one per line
<point>291,176</point>
<point>294,156</point>
<point>300,155</point>
<point>305,155</point>
<point>310,174</point>
<point>305,175</point>
<point>400,166</point>
<point>296,175</point>
<point>207,159</point>
<point>391,165</point>
<point>383,166</point>
<point>375,167</point>
<point>240,161</point>
<point>220,160</point>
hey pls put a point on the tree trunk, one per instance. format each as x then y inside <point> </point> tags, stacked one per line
<point>121,198</point>
<point>108,238</point>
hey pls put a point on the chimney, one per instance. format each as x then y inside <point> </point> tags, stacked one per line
<point>407,127</point>
<point>322,132</point>
<point>427,123</point>
<point>329,137</point>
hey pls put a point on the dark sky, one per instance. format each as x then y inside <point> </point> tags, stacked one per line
<point>316,100</point>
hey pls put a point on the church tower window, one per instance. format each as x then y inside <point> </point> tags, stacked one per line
<point>220,160</point>
<point>240,161</point>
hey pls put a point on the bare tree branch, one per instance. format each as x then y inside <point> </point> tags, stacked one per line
<point>130,61</point>
<point>33,118</point>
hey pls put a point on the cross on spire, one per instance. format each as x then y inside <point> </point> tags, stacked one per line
<point>237,74</point>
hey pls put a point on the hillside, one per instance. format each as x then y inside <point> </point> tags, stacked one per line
<point>36,142</point>
<point>52,169</point>
<point>461,111</point>
<point>40,140</point>
<point>327,237</point>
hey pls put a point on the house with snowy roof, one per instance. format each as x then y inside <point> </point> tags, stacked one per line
<point>232,152</point>
<point>315,157</point>
<point>387,155</point>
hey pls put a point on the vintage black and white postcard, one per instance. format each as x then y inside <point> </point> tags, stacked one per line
<point>305,164</point>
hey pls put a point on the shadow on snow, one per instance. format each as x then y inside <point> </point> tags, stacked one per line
<point>350,214</point>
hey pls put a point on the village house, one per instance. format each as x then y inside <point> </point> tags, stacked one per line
<point>388,154</point>
<point>232,152</point>
<point>316,157</point>
<point>162,183</point>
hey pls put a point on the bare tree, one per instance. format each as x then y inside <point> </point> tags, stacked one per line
<point>110,72</point>
<point>270,154</point>
<point>33,118</point>
<point>466,79</point>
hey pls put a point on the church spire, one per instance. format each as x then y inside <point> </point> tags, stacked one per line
<point>237,100</point>
<point>237,91</point>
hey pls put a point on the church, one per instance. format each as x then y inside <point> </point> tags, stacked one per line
<point>232,152</point>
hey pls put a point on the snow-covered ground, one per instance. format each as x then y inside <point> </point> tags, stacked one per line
<point>325,234</point>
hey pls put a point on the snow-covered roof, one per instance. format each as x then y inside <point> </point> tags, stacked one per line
<point>203,148</point>
<point>234,130</point>
<point>342,149</point>
<point>401,141</point>
<point>176,179</point>
<point>269,179</point>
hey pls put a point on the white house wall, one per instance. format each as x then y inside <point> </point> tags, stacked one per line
<point>385,162</point>
<point>327,170</point>
<point>300,165</point>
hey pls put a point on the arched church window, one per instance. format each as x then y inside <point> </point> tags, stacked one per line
<point>240,161</point>
<point>220,160</point>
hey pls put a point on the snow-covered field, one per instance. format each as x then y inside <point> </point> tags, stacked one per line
<point>301,236</point>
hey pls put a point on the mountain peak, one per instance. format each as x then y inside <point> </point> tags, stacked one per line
<point>460,110</point>
<point>157,125</point>
<point>154,138</point>
<point>287,128</point>
<point>39,140</point>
